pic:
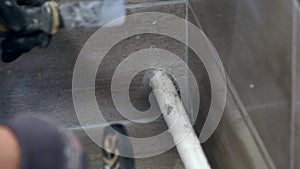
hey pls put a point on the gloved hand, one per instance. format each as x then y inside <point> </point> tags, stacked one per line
<point>13,46</point>
<point>32,25</point>
<point>31,2</point>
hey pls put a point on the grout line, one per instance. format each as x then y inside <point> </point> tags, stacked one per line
<point>250,125</point>
<point>142,4</point>
<point>105,124</point>
<point>268,105</point>
<point>100,125</point>
<point>186,59</point>
<point>152,4</point>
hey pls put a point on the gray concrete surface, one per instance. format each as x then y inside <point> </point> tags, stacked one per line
<point>254,40</point>
<point>41,82</point>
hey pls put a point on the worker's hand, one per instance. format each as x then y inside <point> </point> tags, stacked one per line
<point>13,46</point>
<point>31,2</point>
<point>36,24</point>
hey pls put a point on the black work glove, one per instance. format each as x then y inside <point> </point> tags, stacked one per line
<point>22,33</point>
<point>13,46</point>
<point>31,2</point>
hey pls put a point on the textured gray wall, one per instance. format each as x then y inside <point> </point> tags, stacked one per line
<point>41,82</point>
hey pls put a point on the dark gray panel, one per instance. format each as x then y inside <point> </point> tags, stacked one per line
<point>296,88</point>
<point>269,120</point>
<point>232,145</point>
<point>254,39</point>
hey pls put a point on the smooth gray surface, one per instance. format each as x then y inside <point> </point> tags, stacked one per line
<point>253,38</point>
<point>296,89</point>
<point>232,146</point>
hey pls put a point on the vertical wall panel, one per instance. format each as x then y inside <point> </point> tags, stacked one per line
<point>253,38</point>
